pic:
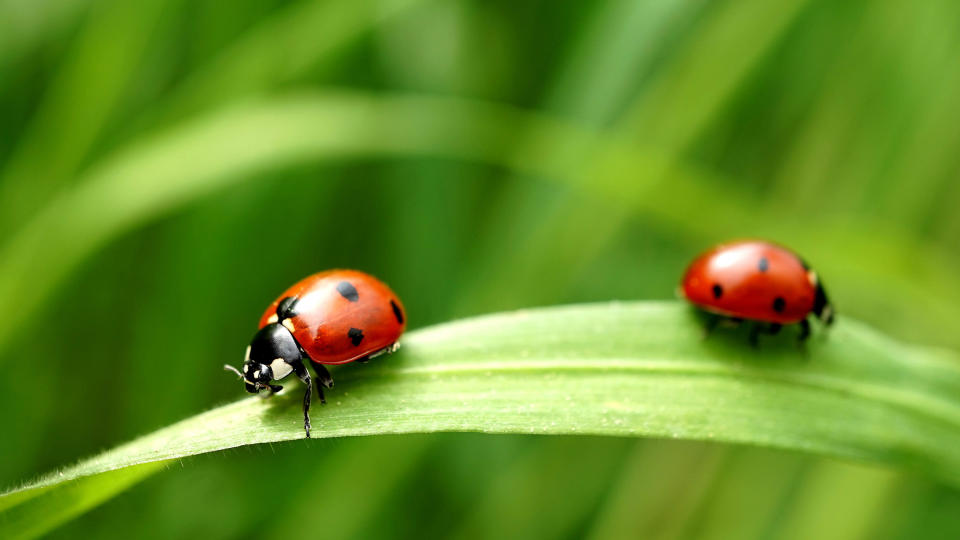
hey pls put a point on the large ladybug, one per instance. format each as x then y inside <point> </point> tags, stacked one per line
<point>333,317</point>
<point>756,281</point>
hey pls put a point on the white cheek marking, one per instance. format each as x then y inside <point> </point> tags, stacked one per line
<point>288,324</point>
<point>280,369</point>
<point>273,318</point>
<point>812,277</point>
<point>256,374</point>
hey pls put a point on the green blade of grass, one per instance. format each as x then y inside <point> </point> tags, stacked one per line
<point>300,39</point>
<point>182,164</point>
<point>282,48</point>
<point>67,122</point>
<point>531,497</point>
<point>631,369</point>
<point>29,514</point>
<point>675,108</point>
<point>26,24</point>
<point>632,506</point>
<point>178,166</point>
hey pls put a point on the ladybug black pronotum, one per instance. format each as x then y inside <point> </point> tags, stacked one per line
<point>756,281</point>
<point>333,317</point>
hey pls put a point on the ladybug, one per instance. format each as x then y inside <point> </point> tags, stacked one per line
<point>330,318</point>
<point>756,281</point>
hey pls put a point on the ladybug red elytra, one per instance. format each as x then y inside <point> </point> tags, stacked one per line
<point>333,317</point>
<point>757,281</point>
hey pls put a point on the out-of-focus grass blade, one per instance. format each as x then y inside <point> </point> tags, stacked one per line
<point>639,369</point>
<point>183,164</point>
<point>708,70</point>
<point>865,141</point>
<point>542,494</point>
<point>24,24</point>
<point>647,498</point>
<point>615,50</point>
<point>69,120</point>
<point>180,165</point>
<point>364,476</point>
<point>282,48</point>
<point>863,493</point>
<point>746,495</point>
<point>29,514</point>
<point>624,35</point>
<point>672,110</point>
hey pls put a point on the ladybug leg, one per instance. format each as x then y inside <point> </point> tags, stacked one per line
<point>713,321</point>
<point>390,349</point>
<point>754,337</point>
<point>710,324</point>
<point>274,389</point>
<point>325,379</point>
<point>758,328</point>
<point>804,331</point>
<point>304,376</point>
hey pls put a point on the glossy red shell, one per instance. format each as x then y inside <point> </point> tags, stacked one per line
<point>328,323</point>
<point>751,280</point>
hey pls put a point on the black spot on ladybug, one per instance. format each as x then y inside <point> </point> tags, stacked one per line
<point>397,312</point>
<point>355,335</point>
<point>763,265</point>
<point>779,304</point>
<point>717,290</point>
<point>348,291</point>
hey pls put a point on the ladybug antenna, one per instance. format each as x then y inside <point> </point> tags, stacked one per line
<point>228,367</point>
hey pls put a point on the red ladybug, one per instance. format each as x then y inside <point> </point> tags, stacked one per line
<point>756,281</point>
<point>333,317</point>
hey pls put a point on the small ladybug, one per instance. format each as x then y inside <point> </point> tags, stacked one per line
<point>333,317</point>
<point>757,281</point>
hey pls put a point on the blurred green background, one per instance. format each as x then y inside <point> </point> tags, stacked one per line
<point>833,127</point>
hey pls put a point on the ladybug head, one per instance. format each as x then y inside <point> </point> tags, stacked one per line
<point>271,355</point>
<point>256,376</point>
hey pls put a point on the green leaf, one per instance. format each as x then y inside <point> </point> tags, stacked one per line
<point>623,369</point>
